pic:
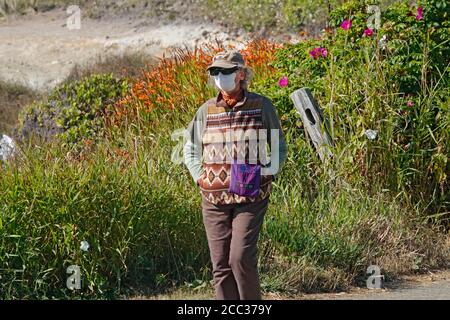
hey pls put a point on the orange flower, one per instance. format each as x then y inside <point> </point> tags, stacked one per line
<point>161,86</point>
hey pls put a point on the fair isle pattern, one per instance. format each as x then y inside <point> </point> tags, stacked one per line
<point>231,134</point>
<point>218,153</point>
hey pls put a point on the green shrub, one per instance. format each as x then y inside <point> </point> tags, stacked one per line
<point>272,15</point>
<point>73,111</point>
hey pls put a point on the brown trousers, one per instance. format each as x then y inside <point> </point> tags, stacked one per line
<point>232,231</point>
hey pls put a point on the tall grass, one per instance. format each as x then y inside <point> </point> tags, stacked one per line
<point>141,215</point>
<point>140,212</point>
<point>126,204</point>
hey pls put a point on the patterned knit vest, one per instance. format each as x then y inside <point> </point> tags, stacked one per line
<point>231,133</point>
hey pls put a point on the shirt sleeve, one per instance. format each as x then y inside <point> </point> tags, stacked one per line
<point>193,146</point>
<point>271,121</point>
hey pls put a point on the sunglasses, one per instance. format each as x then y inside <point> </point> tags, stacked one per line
<point>215,71</point>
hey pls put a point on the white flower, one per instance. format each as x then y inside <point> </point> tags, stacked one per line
<point>7,147</point>
<point>371,134</point>
<point>383,42</point>
<point>84,245</point>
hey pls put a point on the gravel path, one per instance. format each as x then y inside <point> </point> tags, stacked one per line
<point>433,286</point>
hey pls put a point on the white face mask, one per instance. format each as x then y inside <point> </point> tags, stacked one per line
<point>225,82</point>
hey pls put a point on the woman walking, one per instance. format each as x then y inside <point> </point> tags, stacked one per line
<point>226,156</point>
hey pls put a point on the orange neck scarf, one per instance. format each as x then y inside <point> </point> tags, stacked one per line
<point>232,99</point>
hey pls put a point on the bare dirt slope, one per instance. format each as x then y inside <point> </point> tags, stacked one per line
<point>38,50</point>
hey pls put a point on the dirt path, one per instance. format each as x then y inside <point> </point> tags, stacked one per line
<point>39,50</point>
<point>439,290</point>
<point>431,286</point>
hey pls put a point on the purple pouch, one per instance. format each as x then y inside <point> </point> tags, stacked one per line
<point>245,179</point>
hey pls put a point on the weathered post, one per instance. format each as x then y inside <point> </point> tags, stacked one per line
<point>316,129</point>
<point>312,118</point>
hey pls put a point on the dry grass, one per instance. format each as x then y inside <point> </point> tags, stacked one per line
<point>128,65</point>
<point>13,97</point>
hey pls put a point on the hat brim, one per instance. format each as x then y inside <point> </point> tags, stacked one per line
<point>223,64</point>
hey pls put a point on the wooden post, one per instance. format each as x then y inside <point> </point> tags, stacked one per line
<point>312,118</point>
<point>316,129</point>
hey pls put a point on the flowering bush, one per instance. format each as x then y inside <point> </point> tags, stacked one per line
<point>392,80</point>
<point>409,31</point>
<point>158,90</point>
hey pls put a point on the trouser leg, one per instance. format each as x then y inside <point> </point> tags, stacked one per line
<point>218,224</point>
<point>246,225</point>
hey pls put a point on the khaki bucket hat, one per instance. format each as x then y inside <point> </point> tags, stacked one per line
<point>227,60</point>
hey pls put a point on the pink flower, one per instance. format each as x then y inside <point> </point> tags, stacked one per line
<point>419,15</point>
<point>318,52</point>
<point>283,82</point>
<point>410,103</point>
<point>346,24</point>
<point>323,52</point>
<point>368,32</point>
<point>314,53</point>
